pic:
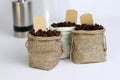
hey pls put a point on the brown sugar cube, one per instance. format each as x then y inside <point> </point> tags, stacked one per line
<point>39,23</point>
<point>86,19</point>
<point>71,16</point>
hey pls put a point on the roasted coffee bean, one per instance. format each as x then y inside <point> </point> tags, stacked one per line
<point>56,33</point>
<point>54,25</point>
<point>44,34</point>
<point>74,24</point>
<point>89,27</point>
<point>100,27</point>
<point>32,32</point>
<point>48,33</point>
<point>38,33</point>
<point>63,24</point>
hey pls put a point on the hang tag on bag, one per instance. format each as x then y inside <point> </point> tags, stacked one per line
<point>86,19</point>
<point>39,23</point>
<point>71,16</point>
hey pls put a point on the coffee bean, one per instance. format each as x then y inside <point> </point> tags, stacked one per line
<point>63,24</point>
<point>32,32</point>
<point>89,27</point>
<point>48,33</point>
<point>54,25</point>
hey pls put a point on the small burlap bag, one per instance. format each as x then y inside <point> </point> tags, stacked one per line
<point>88,46</point>
<point>44,52</point>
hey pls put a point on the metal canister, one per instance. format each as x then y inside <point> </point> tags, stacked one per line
<point>22,16</point>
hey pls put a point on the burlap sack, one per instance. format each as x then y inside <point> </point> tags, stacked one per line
<point>88,46</point>
<point>44,52</point>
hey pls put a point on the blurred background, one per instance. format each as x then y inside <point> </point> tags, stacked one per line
<point>55,9</point>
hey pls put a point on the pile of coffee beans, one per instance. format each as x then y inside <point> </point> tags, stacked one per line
<point>48,33</point>
<point>63,24</point>
<point>89,27</point>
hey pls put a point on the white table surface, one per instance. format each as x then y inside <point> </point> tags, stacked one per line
<point>14,58</point>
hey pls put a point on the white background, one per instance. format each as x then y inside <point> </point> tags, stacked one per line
<point>14,56</point>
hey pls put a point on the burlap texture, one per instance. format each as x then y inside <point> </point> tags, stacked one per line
<point>44,52</point>
<point>88,46</point>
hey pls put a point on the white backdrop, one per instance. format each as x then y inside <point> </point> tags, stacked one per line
<point>13,53</point>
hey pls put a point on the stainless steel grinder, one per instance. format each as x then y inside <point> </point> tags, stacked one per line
<point>22,17</point>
